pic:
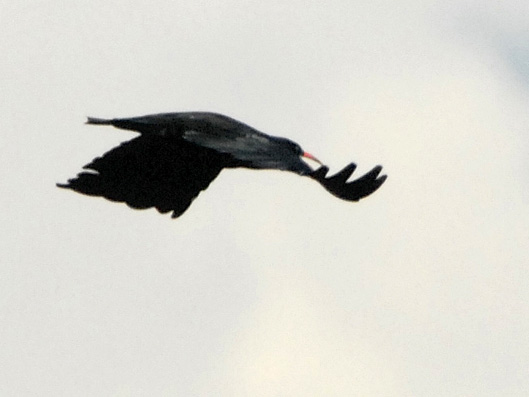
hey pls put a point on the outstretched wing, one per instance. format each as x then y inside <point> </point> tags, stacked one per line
<point>251,148</point>
<point>350,191</point>
<point>150,171</point>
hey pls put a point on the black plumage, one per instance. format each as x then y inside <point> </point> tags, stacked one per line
<point>177,155</point>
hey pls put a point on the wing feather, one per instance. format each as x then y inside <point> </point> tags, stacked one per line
<point>251,149</point>
<point>150,171</point>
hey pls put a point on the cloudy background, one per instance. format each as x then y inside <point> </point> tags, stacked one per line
<point>268,285</point>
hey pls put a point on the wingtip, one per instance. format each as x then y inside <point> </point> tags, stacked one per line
<point>379,182</point>
<point>354,190</point>
<point>97,121</point>
<point>320,172</point>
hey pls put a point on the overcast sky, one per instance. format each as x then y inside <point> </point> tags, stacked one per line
<point>268,285</point>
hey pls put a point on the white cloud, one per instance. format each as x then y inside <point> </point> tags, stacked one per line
<point>269,285</point>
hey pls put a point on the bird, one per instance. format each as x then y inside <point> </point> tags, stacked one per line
<point>177,155</point>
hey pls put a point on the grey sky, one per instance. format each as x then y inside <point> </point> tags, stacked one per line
<point>268,285</point>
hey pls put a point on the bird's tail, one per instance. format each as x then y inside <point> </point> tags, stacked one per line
<point>94,120</point>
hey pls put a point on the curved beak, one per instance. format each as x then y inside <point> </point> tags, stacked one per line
<point>310,156</point>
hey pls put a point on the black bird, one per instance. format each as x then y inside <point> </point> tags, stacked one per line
<point>178,154</point>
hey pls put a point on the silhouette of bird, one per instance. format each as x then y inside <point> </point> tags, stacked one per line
<point>177,155</point>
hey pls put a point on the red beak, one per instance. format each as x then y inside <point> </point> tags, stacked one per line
<point>310,156</point>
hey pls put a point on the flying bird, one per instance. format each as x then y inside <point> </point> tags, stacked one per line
<point>177,155</point>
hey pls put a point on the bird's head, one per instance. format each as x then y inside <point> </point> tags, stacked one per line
<point>295,149</point>
<point>291,156</point>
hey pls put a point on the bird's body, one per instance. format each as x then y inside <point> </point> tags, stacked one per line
<point>178,154</point>
<point>244,145</point>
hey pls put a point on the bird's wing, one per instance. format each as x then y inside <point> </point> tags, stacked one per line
<point>150,171</point>
<point>350,191</point>
<point>240,146</point>
<point>251,149</point>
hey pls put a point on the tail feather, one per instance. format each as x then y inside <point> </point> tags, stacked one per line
<point>94,120</point>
